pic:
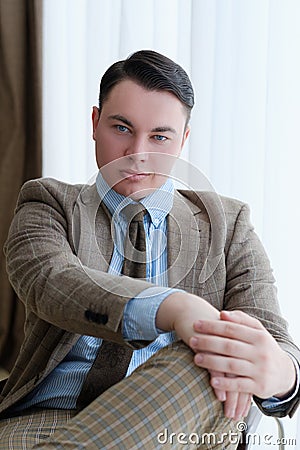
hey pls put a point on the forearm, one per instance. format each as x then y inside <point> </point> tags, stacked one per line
<point>51,280</point>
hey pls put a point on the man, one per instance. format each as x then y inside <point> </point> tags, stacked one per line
<point>203,345</point>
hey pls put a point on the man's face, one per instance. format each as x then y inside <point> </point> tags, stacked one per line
<point>138,135</point>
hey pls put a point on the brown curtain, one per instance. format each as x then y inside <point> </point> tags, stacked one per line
<point>20,140</point>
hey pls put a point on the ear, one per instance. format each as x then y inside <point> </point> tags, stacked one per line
<point>185,136</point>
<point>95,119</point>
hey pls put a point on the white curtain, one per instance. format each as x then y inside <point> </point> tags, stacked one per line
<point>243,57</point>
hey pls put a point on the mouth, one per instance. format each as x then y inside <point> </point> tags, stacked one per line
<point>133,175</point>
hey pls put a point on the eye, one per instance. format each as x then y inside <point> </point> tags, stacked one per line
<point>122,128</point>
<point>160,138</point>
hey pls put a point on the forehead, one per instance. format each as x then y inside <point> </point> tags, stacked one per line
<point>129,98</point>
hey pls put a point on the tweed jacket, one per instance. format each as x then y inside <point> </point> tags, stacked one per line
<point>58,251</point>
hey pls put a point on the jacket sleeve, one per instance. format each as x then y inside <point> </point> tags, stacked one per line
<point>251,288</point>
<point>50,279</point>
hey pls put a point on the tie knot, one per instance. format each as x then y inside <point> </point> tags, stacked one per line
<point>134,212</point>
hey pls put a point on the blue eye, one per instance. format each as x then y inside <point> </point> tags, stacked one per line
<point>122,128</point>
<point>159,137</point>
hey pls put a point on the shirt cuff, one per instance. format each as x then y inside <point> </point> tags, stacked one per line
<point>139,319</point>
<point>275,402</point>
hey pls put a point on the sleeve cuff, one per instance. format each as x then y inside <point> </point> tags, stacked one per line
<point>139,319</point>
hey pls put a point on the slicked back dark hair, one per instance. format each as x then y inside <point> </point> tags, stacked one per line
<point>152,71</point>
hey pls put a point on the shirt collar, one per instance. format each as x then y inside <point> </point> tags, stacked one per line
<point>158,203</point>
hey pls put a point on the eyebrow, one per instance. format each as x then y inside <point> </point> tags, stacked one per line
<point>130,124</point>
<point>121,118</point>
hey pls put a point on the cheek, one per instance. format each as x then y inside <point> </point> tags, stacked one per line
<point>172,148</point>
<point>107,149</point>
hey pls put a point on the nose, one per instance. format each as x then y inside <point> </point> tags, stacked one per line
<point>137,149</point>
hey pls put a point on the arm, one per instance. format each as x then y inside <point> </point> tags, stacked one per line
<point>250,288</point>
<point>48,276</point>
<point>250,284</point>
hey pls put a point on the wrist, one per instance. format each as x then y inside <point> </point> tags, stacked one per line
<point>183,309</point>
<point>290,380</point>
<point>169,310</point>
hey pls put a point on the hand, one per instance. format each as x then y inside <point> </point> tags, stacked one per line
<point>178,312</point>
<point>239,345</point>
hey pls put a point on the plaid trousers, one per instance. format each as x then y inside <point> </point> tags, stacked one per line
<point>166,403</point>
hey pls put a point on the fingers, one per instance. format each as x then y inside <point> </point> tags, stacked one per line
<point>247,406</point>
<point>230,330</point>
<point>221,346</point>
<point>239,345</point>
<point>241,318</point>
<point>220,363</point>
<point>237,405</point>
<point>231,404</point>
<point>221,395</point>
<point>236,384</point>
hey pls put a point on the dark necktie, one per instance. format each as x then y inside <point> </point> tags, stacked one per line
<point>111,363</point>
<point>135,242</point>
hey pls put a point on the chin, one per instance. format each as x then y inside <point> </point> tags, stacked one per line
<point>136,191</point>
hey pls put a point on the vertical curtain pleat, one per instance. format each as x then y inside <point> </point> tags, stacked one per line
<point>20,140</point>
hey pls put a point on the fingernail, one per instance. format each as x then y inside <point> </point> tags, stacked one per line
<point>198,324</point>
<point>193,342</point>
<point>215,382</point>
<point>198,358</point>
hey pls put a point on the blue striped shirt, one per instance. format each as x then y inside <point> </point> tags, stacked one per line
<point>61,388</point>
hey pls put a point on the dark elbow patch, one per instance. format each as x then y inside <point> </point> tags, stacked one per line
<point>92,316</point>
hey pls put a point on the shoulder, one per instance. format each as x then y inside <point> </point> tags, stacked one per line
<point>48,191</point>
<point>226,216</point>
<point>211,203</point>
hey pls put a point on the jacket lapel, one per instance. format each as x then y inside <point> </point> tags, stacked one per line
<point>92,230</point>
<point>183,240</point>
<point>196,241</point>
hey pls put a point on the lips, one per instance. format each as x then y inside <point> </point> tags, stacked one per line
<point>134,175</point>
